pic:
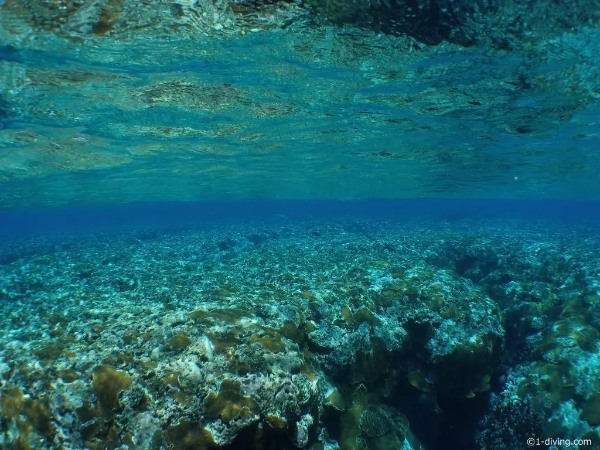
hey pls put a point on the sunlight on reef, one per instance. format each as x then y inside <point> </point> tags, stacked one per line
<point>307,335</point>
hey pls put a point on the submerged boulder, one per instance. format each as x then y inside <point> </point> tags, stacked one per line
<point>435,327</point>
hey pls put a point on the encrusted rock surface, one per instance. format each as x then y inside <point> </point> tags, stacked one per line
<point>309,335</point>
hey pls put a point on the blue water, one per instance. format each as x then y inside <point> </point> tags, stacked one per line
<point>299,225</point>
<point>85,220</point>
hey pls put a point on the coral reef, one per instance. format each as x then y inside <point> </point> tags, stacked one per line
<point>548,293</point>
<point>298,339</point>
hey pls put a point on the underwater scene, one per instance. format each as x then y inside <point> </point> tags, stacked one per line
<point>299,224</point>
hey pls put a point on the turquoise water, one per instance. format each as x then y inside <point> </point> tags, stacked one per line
<point>167,106</point>
<point>299,225</point>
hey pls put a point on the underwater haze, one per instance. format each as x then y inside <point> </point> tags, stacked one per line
<point>306,224</point>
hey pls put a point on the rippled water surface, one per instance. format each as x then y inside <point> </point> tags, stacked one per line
<point>122,102</point>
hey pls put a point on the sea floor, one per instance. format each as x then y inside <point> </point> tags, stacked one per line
<point>350,334</point>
